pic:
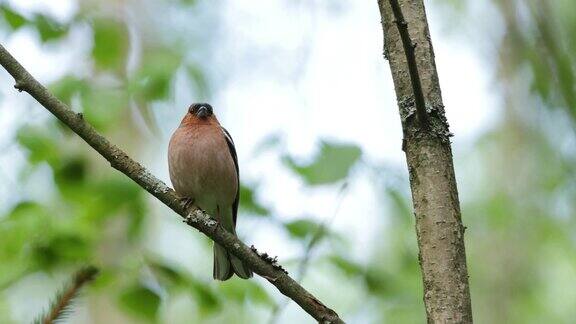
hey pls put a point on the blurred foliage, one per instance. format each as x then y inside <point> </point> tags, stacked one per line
<point>303,228</point>
<point>47,28</point>
<point>332,164</point>
<point>90,214</point>
<point>249,203</point>
<point>517,181</point>
<point>110,49</point>
<point>12,18</point>
<point>62,303</point>
<point>140,301</point>
<point>519,196</point>
<point>538,38</point>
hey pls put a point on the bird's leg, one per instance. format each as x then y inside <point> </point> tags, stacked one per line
<point>217,216</point>
<point>187,202</point>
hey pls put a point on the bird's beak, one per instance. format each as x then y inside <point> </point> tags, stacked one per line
<point>202,112</point>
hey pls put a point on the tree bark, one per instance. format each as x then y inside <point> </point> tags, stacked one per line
<point>439,226</point>
<point>119,160</point>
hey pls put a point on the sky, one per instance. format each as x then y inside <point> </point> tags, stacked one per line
<point>302,71</point>
<point>342,91</point>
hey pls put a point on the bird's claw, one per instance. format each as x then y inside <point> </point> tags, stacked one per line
<point>187,202</point>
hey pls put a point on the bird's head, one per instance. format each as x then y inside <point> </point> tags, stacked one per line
<point>201,110</point>
<point>199,114</point>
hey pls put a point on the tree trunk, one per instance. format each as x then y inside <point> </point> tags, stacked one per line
<point>429,156</point>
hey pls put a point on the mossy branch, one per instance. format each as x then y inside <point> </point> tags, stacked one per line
<point>192,215</point>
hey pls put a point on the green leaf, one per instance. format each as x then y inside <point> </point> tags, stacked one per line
<point>71,173</point>
<point>34,237</point>
<point>270,142</point>
<point>119,190</point>
<point>249,204</point>
<point>19,229</point>
<point>349,267</point>
<point>166,273</point>
<point>48,28</point>
<point>376,283</point>
<point>189,2</point>
<point>23,210</point>
<point>140,302</point>
<point>137,217</point>
<point>112,196</point>
<point>40,144</point>
<point>206,298</point>
<point>110,48</point>
<point>155,86</point>
<point>103,107</point>
<point>61,248</point>
<point>332,164</point>
<point>14,19</point>
<point>68,86</point>
<point>303,228</point>
<point>243,290</point>
<point>153,80</point>
<point>257,294</point>
<point>204,294</point>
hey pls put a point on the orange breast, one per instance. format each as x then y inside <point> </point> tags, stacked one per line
<point>201,166</point>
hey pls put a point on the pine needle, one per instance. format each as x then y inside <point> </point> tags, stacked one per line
<point>61,305</point>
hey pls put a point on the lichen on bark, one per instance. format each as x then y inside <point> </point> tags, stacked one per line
<point>439,226</point>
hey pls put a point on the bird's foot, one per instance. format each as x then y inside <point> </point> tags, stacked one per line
<point>187,202</point>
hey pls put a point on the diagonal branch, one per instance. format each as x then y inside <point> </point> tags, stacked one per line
<point>192,215</point>
<point>409,47</point>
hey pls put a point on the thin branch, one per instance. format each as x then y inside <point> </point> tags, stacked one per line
<point>62,302</point>
<point>318,234</point>
<point>412,65</point>
<point>310,247</point>
<point>192,215</point>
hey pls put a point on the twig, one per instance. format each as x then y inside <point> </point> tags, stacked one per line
<point>412,65</point>
<point>310,247</point>
<point>192,215</point>
<point>62,302</point>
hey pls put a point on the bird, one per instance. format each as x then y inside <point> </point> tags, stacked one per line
<point>203,167</point>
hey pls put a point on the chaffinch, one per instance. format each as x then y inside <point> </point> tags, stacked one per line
<point>204,170</point>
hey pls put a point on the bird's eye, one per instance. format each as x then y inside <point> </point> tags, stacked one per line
<point>197,107</point>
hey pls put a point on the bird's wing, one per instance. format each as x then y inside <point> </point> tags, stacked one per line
<point>232,149</point>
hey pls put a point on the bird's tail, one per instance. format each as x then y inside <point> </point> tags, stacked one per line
<point>226,264</point>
